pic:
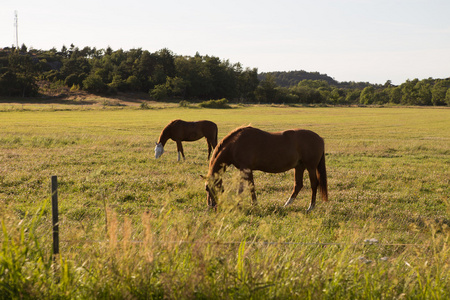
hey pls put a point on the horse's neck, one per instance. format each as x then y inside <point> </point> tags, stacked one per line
<point>219,162</point>
<point>164,136</point>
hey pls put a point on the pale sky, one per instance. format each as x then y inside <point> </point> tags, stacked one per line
<point>349,40</point>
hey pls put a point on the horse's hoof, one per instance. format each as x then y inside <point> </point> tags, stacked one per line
<point>309,209</point>
<point>289,201</point>
<point>210,207</point>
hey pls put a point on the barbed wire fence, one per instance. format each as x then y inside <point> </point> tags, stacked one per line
<point>57,240</point>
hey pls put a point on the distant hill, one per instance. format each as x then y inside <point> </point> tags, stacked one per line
<point>292,78</point>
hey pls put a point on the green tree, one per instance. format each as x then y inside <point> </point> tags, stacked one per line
<point>144,67</point>
<point>381,96</point>
<point>173,87</point>
<point>134,83</point>
<point>197,75</point>
<point>367,95</point>
<point>176,86</point>
<point>75,66</point>
<point>395,95</point>
<point>166,60</point>
<point>423,89</point>
<point>118,83</point>
<point>63,52</point>
<point>284,95</point>
<point>71,80</point>
<point>337,96</point>
<point>159,92</point>
<point>23,49</point>
<point>267,90</point>
<point>223,78</point>
<point>306,94</point>
<point>352,96</point>
<point>18,78</point>
<point>447,97</point>
<point>94,84</point>
<point>247,84</point>
<point>409,92</point>
<point>314,84</point>
<point>439,91</point>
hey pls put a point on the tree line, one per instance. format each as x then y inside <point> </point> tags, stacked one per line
<point>166,76</point>
<point>426,92</point>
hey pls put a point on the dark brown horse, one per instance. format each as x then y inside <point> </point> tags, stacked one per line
<point>249,149</point>
<point>179,131</point>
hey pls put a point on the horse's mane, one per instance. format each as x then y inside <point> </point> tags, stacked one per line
<point>173,122</point>
<point>226,141</point>
<point>163,135</point>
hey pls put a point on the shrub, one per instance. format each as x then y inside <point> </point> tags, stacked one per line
<point>94,84</point>
<point>71,80</point>
<point>144,105</point>
<point>159,92</point>
<point>221,103</point>
<point>184,103</point>
<point>118,83</point>
<point>133,83</point>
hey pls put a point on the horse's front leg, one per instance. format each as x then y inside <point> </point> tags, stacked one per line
<point>297,185</point>
<point>180,150</point>
<point>247,175</point>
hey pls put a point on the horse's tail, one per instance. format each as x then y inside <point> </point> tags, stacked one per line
<point>215,137</point>
<point>322,176</point>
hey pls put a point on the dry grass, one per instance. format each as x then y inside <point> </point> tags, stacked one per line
<point>135,227</point>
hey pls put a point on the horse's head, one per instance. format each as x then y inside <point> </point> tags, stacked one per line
<point>213,187</point>
<point>159,150</point>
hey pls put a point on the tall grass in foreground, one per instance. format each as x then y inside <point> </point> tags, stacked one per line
<point>159,257</point>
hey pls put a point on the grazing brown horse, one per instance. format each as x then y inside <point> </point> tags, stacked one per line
<point>249,149</point>
<point>179,130</point>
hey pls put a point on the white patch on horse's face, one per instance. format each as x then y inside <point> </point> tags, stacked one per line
<point>159,150</point>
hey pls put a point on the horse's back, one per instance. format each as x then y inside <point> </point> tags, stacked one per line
<point>192,131</point>
<point>260,150</point>
<point>257,137</point>
<point>276,152</point>
<point>208,125</point>
<point>309,139</point>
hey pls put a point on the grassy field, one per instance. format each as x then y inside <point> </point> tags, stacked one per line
<point>134,227</point>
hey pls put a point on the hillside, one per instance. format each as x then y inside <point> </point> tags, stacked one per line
<point>164,76</point>
<point>292,78</point>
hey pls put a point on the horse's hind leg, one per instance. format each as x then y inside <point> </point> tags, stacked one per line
<point>180,150</point>
<point>314,185</point>
<point>297,185</point>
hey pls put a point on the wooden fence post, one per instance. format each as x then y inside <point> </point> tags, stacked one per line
<point>55,216</point>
